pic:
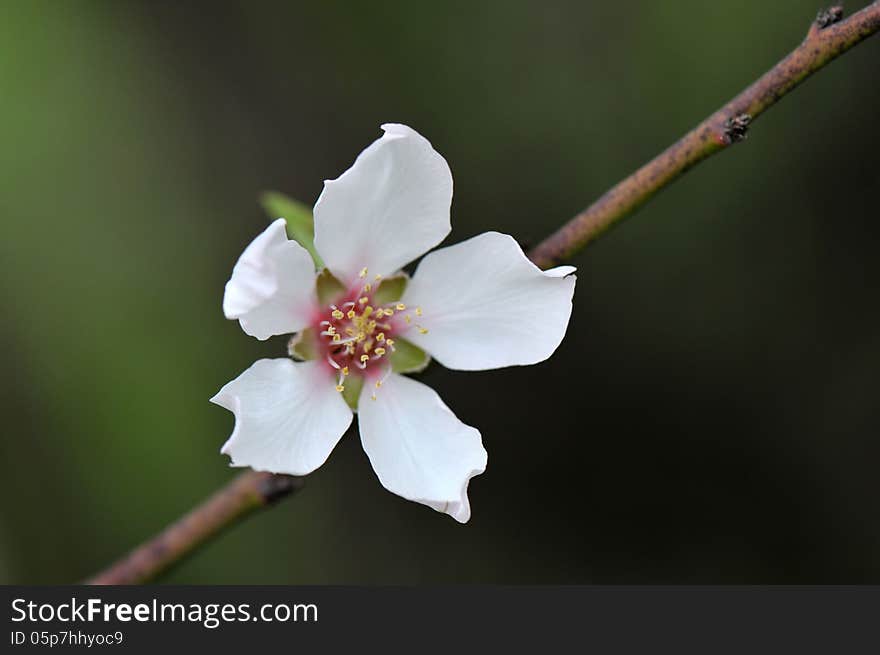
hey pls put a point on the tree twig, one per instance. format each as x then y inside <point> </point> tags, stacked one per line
<point>246,493</point>
<point>828,38</point>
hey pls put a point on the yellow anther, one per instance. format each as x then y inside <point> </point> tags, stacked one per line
<point>368,346</point>
<point>365,359</point>
<point>349,331</point>
<point>363,301</point>
<point>418,311</point>
<point>380,352</point>
<point>390,342</point>
<point>331,330</point>
<point>408,319</point>
<point>363,272</point>
<point>378,277</point>
<point>337,338</point>
<point>340,388</point>
<point>378,383</point>
<point>345,370</point>
<point>368,287</point>
<point>373,397</point>
<point>350,313</point>
<point>367,311</point>
<point>423,330</point>
<point>400,306</point>
<point>388,312</point>
<point>380,337</point>
<point>337,314</point>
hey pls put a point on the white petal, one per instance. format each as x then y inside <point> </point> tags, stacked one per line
<point>391,206</point>
<point>560,271</point>
<point>272,288</point>
<point>485,305</point>
<point>288,416</point>
<point>417,446</point>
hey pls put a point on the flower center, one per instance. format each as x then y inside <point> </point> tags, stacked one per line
<point>358,334</point>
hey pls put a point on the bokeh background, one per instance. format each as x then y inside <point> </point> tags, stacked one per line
<point>711,417</point>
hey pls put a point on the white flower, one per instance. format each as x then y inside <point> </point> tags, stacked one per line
<point>477,305</point>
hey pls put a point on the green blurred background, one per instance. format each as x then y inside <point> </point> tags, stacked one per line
<point>711,417</point>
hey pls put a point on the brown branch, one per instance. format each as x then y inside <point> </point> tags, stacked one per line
<point>828,38</point>
<point>247,493</point>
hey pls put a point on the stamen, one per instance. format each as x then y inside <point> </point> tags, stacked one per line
<point>340,388</point>
<point>418,311</point>
<point>359,333</point>
<point>381,380</point>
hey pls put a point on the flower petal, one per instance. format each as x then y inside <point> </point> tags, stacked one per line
<point>272,288</point>
<point>560,271</point>
<point>417,446</point>
<point>485,305</point>
<point>288,416</point>
<point>391,206</point>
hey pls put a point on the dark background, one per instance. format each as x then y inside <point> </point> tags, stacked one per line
<point>712,415</point>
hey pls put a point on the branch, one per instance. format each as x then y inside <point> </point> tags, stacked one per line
<point>246,494</point>
<point>828,38</point>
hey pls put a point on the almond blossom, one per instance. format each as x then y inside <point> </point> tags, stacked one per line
<point>477,305</point>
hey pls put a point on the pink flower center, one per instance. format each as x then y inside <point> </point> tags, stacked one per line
<point>357,335</point>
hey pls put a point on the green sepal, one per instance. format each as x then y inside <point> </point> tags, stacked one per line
<point>391,289</point>
<point>300,222</point>
<point>303,345</point>
<point>408,358</point>
<point>353,385</point>
<point>328,288</point>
